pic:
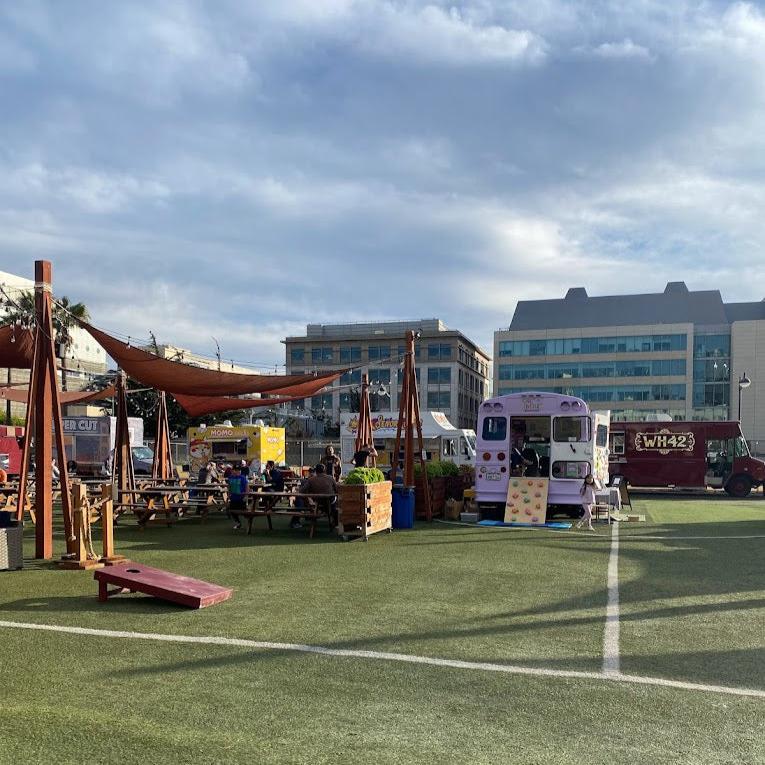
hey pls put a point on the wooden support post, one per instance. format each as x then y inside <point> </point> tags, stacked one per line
<point>80,558</point>
<point>109,557</point>
<point>43,403</point>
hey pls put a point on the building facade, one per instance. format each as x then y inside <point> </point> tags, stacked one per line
<point>84,359</point>
<point>680,353</point>
<point>452,371</point>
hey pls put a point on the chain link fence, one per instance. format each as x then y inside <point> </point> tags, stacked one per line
<point>308,451</point>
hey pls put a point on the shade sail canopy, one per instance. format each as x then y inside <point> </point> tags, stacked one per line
<point>17,347</point>
<point>198,406</point>
<point>178,378</point>
<point>19,395</point>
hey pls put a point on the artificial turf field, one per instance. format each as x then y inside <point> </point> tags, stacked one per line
<point>692,609</point>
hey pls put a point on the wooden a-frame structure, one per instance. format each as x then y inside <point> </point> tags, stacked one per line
<point>44,420</point>
<point>408,420</point>
<point>162,465</point>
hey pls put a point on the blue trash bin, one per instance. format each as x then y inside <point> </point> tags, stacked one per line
<point>403,507</point>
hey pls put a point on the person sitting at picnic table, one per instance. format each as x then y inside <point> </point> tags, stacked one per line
<point>332,463</point>
<point>321,483</point>
<point>207,473</point>
<point>244,469</point>
<point>361,457</point>
<point>237,488</point>
<point>3,477</point>
<point>274,476</point>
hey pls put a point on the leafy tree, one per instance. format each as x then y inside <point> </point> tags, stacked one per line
<point>64,318</point>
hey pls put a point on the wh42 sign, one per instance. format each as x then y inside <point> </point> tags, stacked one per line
<point>664,442</point>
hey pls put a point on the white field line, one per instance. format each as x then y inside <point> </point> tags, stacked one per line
<point>611,628</point>
<point>510,669</point>
<point>571,533</point>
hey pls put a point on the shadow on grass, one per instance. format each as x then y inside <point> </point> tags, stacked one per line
<point>129,603</point>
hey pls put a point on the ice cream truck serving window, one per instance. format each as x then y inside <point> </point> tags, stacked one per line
<point>494,429</point>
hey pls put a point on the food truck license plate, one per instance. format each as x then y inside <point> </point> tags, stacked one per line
<point>493,475</point>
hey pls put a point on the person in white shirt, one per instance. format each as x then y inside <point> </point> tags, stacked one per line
<point>588,500</point>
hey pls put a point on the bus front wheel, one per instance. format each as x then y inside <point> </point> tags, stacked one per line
<point>739,486</point>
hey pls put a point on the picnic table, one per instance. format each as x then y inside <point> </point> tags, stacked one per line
<point>270,503</point>
<point>8,498</point>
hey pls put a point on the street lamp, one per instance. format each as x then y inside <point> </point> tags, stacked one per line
<point>744,382</point>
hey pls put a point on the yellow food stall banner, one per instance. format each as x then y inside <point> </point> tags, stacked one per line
<point>527,500</point>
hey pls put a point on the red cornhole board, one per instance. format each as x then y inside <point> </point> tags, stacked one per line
<point>135,577</point>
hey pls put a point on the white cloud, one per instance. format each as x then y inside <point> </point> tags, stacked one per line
<point>434,35</point>
<point>625,49</point>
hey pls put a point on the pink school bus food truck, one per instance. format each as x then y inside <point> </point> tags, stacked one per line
<point>567,438</point>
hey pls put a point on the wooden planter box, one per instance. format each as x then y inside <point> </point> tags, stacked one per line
<point>364,509</point>
<point>437,496</point>
<point>454,486</point>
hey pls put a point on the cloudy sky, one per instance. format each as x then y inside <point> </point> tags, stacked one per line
<point>239,169</point>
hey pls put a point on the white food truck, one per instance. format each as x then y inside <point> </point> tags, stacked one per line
<point>441,440</point>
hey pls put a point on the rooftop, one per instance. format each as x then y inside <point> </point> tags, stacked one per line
<point>675,305</point>
<point>366,329</point>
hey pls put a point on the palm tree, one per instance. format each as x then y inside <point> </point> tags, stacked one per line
<point>65,315</point>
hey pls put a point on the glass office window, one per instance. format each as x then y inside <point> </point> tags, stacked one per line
<point>351,378</point>
<point>350,355</point>
<point>439,375</point>
<point>439,399</point>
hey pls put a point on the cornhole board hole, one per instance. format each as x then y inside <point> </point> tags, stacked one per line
<point>134,577</point>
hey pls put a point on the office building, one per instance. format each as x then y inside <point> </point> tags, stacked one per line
<point>452,371</point>
<point>682,353</point>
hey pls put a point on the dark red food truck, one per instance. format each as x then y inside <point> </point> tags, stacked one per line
<point>684,454</point>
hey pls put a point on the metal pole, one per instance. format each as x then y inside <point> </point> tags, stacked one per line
<point>739,403</point>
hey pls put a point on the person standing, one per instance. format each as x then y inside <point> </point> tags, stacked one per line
<point>237,489</point>
<point>587,493</point>
<point>361,457</point>
<point>332,464</point>
<point>530,459</point>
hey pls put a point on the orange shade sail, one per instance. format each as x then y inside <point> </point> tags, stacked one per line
<point>20,395</point>
<point>17,347</point>
<point>198,406</point>
<point>178,378</point>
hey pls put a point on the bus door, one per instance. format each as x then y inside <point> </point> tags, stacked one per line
<point>571,450</point>
<point>601,422</point>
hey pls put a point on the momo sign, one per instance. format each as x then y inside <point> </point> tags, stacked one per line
<point>664,442</point>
